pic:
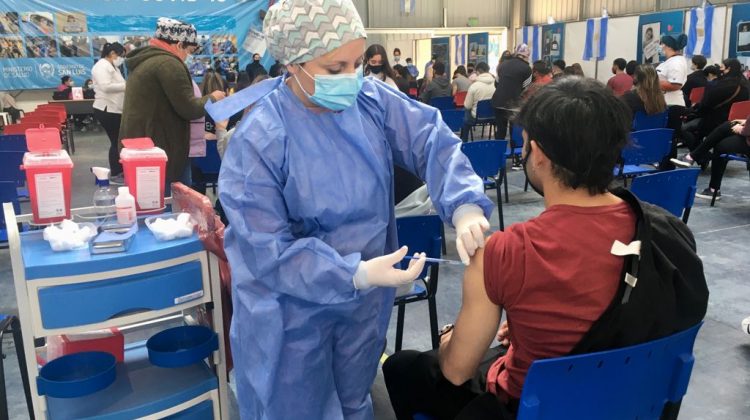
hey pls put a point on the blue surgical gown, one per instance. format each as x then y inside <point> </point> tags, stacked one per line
<point>308,196</point>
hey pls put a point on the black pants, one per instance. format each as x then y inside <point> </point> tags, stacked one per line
<point>674,121</point>
<point>416,385</point>
<point>721,140</point>
<point>501,123</point>
<point>111,124</point>
<point>15,114</point>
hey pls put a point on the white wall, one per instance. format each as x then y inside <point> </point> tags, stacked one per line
<point>29,99</point>
<point>621,41</point>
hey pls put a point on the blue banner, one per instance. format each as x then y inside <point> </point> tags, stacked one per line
<point>441,48</point>
<point>739,37</point>
<point>651,28</point>
<point>553,39</point>
<point>478,45</point>
<point>41,41</point>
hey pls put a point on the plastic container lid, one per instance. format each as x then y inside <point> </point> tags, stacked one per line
<point>141,148</point>
<point>42,160</point>
<point>77,374</point>
<point>43,139</point>
<point>181,346</point>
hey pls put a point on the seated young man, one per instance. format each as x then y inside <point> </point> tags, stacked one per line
<point>554,275</point>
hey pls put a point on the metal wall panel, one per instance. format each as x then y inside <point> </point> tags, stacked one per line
<point>684,4</point>
<point>593,8</point>
<point>387,14</point>
<point>361,6</point>
<point>560,10</point>
<point>489,12</point>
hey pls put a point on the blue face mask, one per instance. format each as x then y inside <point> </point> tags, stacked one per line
<point>334,92</point>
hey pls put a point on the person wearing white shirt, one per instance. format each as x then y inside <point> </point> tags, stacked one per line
<point>673,72</point>
<point>672,76</point>
<point>109,86</point>
<point>481,90</point>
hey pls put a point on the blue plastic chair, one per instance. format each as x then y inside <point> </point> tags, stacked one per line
<point>10,164</point>
<point>9,323</point>
<point>732,158</point>
<point>642,121</point>
<point>454,118</point>
<point>627,383</point>
<point>646,381</point>
<point>648,147</point>
<point>443,102</point>
<point>420,234</point>
<point>209,165</point>
<point>485,117</point>
<point>487,157</point>
<point>673,190</point>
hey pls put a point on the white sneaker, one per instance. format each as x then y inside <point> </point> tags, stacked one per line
<point>746,325</point>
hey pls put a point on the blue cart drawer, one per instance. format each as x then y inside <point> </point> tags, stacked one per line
<point>88,303</point>
<point>202,411</point>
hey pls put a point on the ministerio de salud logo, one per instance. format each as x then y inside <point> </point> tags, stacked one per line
<point>47,70</point>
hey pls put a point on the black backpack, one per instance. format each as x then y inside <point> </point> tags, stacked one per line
<point>670,293</point>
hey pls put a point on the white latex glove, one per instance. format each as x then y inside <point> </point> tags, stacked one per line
<point>470,226</point>
<point>380,271</point>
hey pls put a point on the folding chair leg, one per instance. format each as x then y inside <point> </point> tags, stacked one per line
<point>3,395</point>
<point>686,215</point>
<point>500,210</point>
<point>18,340</point>
<point>442,232</point>
<point>433,322</point>
<point>670,411</point>
<point>526,185</point>
<point>400,325</point>
<point>505,183</point>
<point>482,136</point>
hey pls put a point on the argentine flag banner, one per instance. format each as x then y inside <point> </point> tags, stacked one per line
<point>701,29</point>
<point>532,36</point>
<point>596,39</point>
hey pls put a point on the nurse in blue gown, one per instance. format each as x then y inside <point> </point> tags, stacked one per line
<point>307,185</point>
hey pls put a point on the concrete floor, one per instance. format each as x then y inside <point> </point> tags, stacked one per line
<point>720,384</point>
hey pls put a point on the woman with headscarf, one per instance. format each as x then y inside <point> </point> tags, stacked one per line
<point>307,186</point>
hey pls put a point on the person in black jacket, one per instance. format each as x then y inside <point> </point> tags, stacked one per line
<point>714,108</point>
<point>514,76</point>
<point>695,79</point>
<point>255,69</point>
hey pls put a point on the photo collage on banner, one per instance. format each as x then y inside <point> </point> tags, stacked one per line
<point>739,37</point>
<point>478,48</point>
<point>441,48</point>
<point>651,27</point>
<point>41,41</point>
<point>553,39</point>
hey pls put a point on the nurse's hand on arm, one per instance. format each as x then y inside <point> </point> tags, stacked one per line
<point>470,226</point>
<point>380,271</point>
<point>461,352</point>
<point>423,144</point>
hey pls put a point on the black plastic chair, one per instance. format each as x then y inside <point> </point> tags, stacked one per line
<point>420,234</point>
